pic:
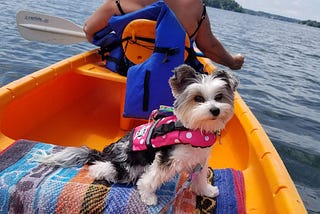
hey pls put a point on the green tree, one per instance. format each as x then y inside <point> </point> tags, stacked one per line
<point>224,4</point>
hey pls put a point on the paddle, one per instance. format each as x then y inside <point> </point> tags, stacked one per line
<point>49,29</point>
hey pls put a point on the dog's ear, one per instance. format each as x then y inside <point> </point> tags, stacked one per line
<point>229,77</point>
<point>183,76</point>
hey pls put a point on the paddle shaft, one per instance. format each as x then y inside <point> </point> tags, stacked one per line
<point>53,30</point>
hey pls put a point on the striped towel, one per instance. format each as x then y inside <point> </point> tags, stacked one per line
<point>27,186</point>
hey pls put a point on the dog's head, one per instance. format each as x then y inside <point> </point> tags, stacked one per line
<point>203,101</point>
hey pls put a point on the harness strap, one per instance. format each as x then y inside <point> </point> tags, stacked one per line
<point>148,140</point>
<point>168,127</point>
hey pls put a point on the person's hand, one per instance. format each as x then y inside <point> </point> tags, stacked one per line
<point>238,61</point>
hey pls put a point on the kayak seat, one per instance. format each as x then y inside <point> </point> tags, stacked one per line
<point>98,71</point>
<point>139,40</point>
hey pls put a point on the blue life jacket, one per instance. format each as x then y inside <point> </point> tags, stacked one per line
<point>147,83</point>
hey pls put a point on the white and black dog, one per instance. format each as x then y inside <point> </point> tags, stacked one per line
<point>203,105</point>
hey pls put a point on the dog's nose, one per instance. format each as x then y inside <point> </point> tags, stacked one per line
<point>215,111</point>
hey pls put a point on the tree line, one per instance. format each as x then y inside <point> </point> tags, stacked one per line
<point>224,4</point>
<point>234,6</point>
<point>310,23</point>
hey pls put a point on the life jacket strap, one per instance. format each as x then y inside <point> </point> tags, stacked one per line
<point>106,49</point>
<point>151,40</point>
<point>167,52</point>
<point>168,127</point>
<point>192,60</point>
<point>122,64</point>
<point>164,50</point>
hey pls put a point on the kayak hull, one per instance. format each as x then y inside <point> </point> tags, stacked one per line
<point>78,102</point>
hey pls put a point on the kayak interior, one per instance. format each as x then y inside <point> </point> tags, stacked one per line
<point>78,102</point>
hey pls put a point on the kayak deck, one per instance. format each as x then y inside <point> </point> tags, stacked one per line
<point>78,102</point>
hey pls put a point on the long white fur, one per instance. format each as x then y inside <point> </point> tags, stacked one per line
<point>199,116</point>
<point>71,156</point>
<point>103,170</point>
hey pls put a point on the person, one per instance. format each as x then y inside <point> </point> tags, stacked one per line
<point>190,13</point>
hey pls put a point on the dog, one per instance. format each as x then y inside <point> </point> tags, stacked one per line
<point>203,105</point>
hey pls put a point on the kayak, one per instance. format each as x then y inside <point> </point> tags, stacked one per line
<point>79,102</point>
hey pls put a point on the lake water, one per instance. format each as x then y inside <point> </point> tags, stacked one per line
<point>280,79</point>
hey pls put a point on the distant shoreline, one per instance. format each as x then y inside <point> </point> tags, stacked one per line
<point>281,18</point>
<point>232,5</point>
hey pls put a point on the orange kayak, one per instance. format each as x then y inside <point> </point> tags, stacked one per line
<point>79,102</point>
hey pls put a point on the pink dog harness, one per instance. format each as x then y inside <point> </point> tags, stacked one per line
<point>168,131</point>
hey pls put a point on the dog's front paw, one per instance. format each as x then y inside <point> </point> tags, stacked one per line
<point>206,190</point>
<point>149,199</point>
<point>211,191</point>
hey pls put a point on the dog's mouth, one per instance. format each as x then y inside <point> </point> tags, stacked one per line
<point>212,117</point>
<point>210,121</point>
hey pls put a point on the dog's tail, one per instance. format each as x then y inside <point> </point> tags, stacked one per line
<point>69,157</point>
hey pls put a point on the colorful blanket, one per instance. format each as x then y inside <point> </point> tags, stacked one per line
<point>26,186</point>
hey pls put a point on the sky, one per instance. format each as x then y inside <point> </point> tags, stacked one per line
<point>299,9</point>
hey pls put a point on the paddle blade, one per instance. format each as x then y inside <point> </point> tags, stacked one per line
<point>49,29</point>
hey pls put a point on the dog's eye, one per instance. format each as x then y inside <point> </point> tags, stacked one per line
<point>199,99</point>
<point>218,97</point>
